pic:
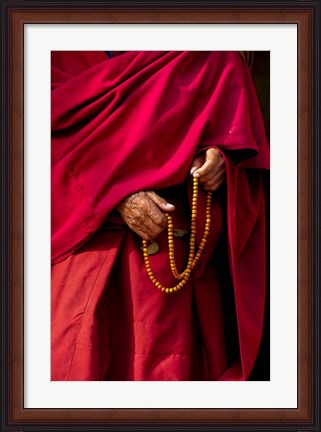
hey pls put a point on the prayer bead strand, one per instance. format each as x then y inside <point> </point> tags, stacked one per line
<point>192,258</point>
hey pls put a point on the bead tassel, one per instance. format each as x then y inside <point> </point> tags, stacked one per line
<point>192,258</point>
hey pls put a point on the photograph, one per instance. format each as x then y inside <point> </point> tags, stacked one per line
<point>159,183</point>
<point>160,216</point>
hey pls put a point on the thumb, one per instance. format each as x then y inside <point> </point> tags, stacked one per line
<point>160,202</point>
<point>197,163</point>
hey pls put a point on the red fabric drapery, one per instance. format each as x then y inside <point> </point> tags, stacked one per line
<point>135,122</point>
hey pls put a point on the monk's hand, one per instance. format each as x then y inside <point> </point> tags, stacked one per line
<point>143,212</point>
<point>209,168</point>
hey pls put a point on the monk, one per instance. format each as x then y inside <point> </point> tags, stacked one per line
<point>130,134</point>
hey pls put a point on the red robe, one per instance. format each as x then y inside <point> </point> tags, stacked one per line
<point>135,122</point>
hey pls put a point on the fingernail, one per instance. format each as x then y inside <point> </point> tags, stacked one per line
<point>196,174</point>
<point>169,206</point>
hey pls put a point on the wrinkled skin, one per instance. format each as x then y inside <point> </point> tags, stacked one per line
<point>144,211</point>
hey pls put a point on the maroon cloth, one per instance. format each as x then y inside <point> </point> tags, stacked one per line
<point>135,122</point>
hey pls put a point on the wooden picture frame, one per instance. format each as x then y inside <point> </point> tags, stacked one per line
<point>306,15</point>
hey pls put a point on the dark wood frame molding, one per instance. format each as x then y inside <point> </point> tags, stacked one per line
<point>14,15</point>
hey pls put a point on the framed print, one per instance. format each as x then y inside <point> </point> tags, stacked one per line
<point>288,398</point>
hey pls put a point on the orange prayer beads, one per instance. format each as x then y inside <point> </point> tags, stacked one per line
<point>192,258</point>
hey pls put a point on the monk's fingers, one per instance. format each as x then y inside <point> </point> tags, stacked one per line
<point>205,169</point>
<point>151,221</point>
<point>155,218</point>
<point>160,202</point>
<point>142,215</point>
<point>212,158</point>
<point>217,171</point>
<point>196,164</point>
<point>145,227</point>
<point>149,214</point>
<point>148,229</point>
<point>146,234</point>
<point>214,184</point>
